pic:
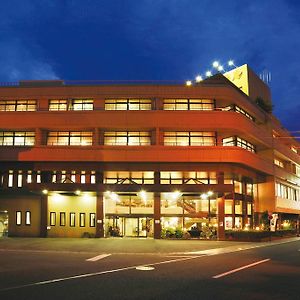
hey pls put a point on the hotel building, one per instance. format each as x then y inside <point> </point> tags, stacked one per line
<point>105,159</point>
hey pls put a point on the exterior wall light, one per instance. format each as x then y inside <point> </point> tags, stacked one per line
<point>45,192</point>
<point>188,83</point>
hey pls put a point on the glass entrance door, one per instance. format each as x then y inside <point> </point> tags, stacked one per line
<point>129,226</point>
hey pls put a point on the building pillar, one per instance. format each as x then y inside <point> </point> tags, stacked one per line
<point>44,215</point>
<point>157,222</point>
<point>99,216</point>
<point>221,209</point>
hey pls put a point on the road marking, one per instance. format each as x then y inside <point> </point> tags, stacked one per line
<point>98,257</point>
<point>144,268</point>
<point>241,268</point>
<point>97,273</point>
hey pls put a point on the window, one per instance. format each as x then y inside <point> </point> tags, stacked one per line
<point>238,187</point>
<point>82,104</point>
<point>294,149</point>
<point>93,177</point>
<point>82,219</point>
<point>238,207</point>
<point>62,219</point>
<point>249,189</point>
<point>249,208</point>
<point>189,138</point>
<point>70,138</point>
<point>243,112</point>
<point>17,105</point>
<point>287,192</point>
<point>18,218</point>
<point>52,218</point>
<point>82,177</point>
<point>92,220</point>
<point>29,176</point>
<point>228,207</point>
<point>20,179</point>
<point>128,104</point>
<point>238,142</point>
<point>134,177</point>
<point>10,178</point>
<point>27,218</point>
<point>58,105</point>
<point>278,162</point>
<point>188,104</point>
<point>127,138</point>
<point>72,219</point>
<point>17,138</point>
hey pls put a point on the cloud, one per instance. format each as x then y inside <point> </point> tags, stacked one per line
<point>19,62</point>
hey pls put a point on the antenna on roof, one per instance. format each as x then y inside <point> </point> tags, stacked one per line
<point>265,76</point>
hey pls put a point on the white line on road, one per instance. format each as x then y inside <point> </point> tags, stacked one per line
<point>98,257</point>
<point>97,273</point>
<point>241,268</point>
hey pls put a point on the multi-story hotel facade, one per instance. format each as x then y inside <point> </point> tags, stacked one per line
<point>138,159</point>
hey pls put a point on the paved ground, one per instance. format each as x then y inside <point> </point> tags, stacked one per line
<point>114,245</point>
<point>148,269</point>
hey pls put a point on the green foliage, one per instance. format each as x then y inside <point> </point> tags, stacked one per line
<point>171,232</point>
<point>264,220</point>
<point>264,105</point>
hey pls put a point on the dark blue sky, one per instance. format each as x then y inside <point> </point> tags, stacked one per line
<point>154,39</point>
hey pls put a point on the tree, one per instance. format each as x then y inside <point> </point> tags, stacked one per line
<point>264,105</point>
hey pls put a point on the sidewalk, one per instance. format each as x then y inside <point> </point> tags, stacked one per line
<point>126,245</point>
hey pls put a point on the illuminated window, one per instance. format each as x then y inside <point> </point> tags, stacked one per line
<point>287,192</point>
<point>92,220</point>
<point>243,112</point>
<point>20,178</point>
<point>82,104</point>
<point>82,177</point>
<point>52,218</point>
<point>238,207</point>
<point>238,187</point>
<point>56,105</point>
<point>17,138</point>
<point>297,171</point>
<point>70,138</point>
<point>278,162</point>
<point>228,207</point>
<point>18,218</point>
<point>134,177</point>
<point>188,104</point>
<point>38,177</point>
<point>189,138</point>
<point>171,177</point>
<point>17,105</point>
<point>93,177</point>
<point>127,138</point>
<point>128,104</point>
<point>73,176</point>
<point>10,178</point>
<point>249,189</point>
<point>249,208</point>
<point>72,219</point>
<point>228,223</point>
<point>27,218</point>
<point>29,176</point>
<point>62,219</point>
<point>238,142</point>
<point>294,149</point>
<point>63,176</point>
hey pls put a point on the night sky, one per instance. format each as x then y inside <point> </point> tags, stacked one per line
<point>153,40</point>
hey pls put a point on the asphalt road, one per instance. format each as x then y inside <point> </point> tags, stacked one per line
<point>264,272</point>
